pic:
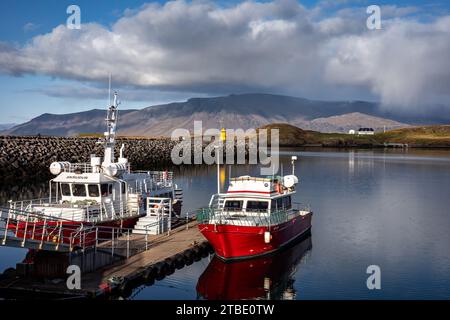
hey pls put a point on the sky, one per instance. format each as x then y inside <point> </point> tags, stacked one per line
<point>159,52</point>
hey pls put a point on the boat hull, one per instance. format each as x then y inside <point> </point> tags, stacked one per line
<point>53,231</point>
<point>232,242</point>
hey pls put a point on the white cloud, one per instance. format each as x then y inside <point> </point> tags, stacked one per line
<point>276,46</point>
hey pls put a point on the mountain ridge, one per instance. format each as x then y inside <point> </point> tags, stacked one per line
<point>251,110</point>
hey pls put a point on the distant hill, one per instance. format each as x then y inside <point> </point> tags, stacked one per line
<point>429,135</point>
<point>437,136</point>
<point>290,135</point>
<point>92,121</point>
<point>6,126</point>
<point>354,120</point>
<point>234,111</point>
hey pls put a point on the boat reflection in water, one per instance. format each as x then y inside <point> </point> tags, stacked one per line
<point>270,277</point>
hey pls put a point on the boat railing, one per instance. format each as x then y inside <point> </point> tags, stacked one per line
<point>23,205</point>
<point>85,168</point>
<point>38,231</point>
<point>90,212</point>
<point>158,179</point>
<point>220,216</point>
<point>25,226</point>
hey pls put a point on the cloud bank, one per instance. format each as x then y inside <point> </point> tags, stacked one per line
<point>278,46</point>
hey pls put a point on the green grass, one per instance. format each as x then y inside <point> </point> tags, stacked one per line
<point>424,136</point>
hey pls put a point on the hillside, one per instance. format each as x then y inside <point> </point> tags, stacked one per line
<point>235,111</point>
<point>424,136</point>
<point>355,120</point>
<point>71,124</point>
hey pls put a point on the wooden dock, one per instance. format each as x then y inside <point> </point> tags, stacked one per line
<point>164,255</point>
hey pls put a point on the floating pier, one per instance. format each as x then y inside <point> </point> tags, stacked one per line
<point>150,258</point>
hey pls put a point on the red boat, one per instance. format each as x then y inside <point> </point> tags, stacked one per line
<point>269,277</point>
<point>255,217</point>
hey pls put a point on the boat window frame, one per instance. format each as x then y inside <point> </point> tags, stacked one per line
<point>74,185</point>
<point>62,189</point>
<point>108,189</point>
<point>285,204</point>
<point>233,209</point>
<point>98,190</point>
<point>257,209</point>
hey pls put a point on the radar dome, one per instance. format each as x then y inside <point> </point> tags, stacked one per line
<point>290,181</point>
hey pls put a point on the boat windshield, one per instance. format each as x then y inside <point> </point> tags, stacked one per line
<point>233,205</point>
<point>106,189</point>
<point>65,189</point>
<point>79,190</point>
<point>257,206</point>
<point>94,190</point>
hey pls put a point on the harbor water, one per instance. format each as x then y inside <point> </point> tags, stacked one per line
<point>388,208</point>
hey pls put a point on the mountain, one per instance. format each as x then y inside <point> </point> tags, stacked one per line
<point>6,126</point>
<point>354,120</point>
<point>92,121</point>
<point>233,111</point>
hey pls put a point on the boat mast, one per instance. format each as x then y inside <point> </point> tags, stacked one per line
<point>110,134</point>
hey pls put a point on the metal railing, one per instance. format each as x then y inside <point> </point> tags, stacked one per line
<point>219,216</point>
<point>85,168</point>
<point>30,230</point>
<point>158,179</point>
<point>90,212</point>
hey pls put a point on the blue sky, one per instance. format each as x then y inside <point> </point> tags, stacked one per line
<point>25,94</point>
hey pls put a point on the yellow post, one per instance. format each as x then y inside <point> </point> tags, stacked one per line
<point>223,135</point>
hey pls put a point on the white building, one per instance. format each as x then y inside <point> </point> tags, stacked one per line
<point>366,131</point>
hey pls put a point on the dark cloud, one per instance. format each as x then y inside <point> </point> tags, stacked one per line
<point>277,46</point>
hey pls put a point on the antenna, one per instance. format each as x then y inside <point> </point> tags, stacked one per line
<point>293,159</point>
<point>109,91</point>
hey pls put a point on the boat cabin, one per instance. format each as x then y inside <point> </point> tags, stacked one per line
<point>257,195</point>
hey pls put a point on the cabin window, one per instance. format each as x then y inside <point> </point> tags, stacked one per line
<point>105,190</point>
<point>65,189</point>
<point>233,205</point>
<point>257,206</point>
<point>284,203</point>
<point>277,204</point>
<point>94,191</point>
<point>79,190</point>
<point>287,202</point>
<point>124,187</point>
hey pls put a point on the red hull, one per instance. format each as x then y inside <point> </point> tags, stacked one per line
<point>50,230</point>
<point>239,242</point>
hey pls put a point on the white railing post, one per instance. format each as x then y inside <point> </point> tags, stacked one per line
<point>6,229</point>
<point>59,235</point>
<point>170,218</point>
<point>146,238</point>
<point>112,245</point>
<point>96,239</point>
<point>128,244</point>
<point>43,232</point>
<point>26,229</point>
<point>187,220</point>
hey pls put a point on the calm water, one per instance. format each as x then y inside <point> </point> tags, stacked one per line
<point>389,209</point>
